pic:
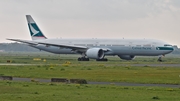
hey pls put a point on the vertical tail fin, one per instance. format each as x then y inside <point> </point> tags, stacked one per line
<point>35,32</point>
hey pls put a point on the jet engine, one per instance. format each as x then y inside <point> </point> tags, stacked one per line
<point>127,57</point>
<point>95,53</point>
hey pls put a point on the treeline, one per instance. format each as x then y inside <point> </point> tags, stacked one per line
<point>16,47</point>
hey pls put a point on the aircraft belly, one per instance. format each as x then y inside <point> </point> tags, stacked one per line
<point>143,51</point>
<point>121,50</point>
<point>152,52</point>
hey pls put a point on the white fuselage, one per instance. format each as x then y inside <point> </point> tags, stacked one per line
<point>136,47</point>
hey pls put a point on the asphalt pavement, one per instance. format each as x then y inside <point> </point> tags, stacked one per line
<point>102,83</point>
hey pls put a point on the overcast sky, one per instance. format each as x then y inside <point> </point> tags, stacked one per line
<point>150,19</point>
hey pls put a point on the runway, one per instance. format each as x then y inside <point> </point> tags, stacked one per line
<point>157,65</point>
<point>141,65</point>
<point>104,83</point>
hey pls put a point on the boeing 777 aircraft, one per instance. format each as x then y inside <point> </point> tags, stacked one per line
<point>95,48</point>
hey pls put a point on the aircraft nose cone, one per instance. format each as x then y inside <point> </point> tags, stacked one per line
<point>170,49</point>
<point>166,49</point>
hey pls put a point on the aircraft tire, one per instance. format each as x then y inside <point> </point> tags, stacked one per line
<point>87,59</point>
<point>160,59</point>
<point>79,59</point>
<point>104,59</point>
<point>83,59</point>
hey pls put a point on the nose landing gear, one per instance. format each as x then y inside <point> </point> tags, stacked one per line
<point>160,58</point>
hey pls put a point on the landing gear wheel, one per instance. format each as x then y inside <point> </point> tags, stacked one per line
<point>160,59</point>
<point>83,59</point>
<point>104,59</point>
<point>79,59</point>
<point>86,59</point>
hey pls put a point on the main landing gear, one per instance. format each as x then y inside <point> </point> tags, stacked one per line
<point>104,59</point>
<point>87,59</point>
<point>83,59</point>
<point>160,58</point>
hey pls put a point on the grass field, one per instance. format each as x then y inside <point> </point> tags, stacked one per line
<point>60,59</point>
<point>163,75</point>
<point>23,91</point>
<point>115,70</point>
<point>67,66</point>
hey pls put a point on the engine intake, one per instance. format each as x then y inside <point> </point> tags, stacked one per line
<point>95,53</point>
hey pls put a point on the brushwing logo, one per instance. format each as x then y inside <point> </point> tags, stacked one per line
<point>33,30</point>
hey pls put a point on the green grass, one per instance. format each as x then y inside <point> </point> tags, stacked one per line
<point>27,58</point>
<point>67,66</point>
<point>115,70</point>
<point>30,91</point>
<point>163,75</point>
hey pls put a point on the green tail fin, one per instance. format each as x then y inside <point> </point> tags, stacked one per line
<point>35,32</point>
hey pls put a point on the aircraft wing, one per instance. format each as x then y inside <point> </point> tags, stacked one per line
<point>63,45</point>
<point>24,41</point>
<point>49,44</point>
<point>73,47</point>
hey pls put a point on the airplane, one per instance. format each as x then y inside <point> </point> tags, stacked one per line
<point>95,48</point>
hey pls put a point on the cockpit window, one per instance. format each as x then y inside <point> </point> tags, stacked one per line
<point>167,45</point>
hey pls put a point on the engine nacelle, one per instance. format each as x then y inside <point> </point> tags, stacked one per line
<point>95,53</point>
<point>127,57</point>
